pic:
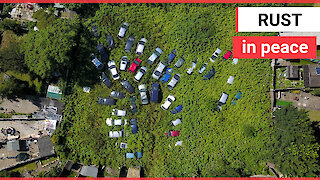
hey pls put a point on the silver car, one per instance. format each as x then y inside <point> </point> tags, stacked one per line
<point>156,53</point>
<point>143,93</point>
<point>123,63</point>
<point>142,71</point>
<point>158,71</point>
<point>124,27</point>
<point>174,81</point>
<point>140,46</point>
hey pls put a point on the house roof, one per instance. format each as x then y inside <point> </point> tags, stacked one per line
<point>89,171</point>
<point>45,146</point>
<point>13,145</point>
<point>311,76</point>
<point>54,92</point>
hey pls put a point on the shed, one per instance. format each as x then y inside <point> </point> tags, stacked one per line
<point>17,145</point>
<point>45,146</point>
<point>54,92</point>
<point>89,171</point>
<point>292,72</point>
<point>223,98</point>
<point>230,80</point>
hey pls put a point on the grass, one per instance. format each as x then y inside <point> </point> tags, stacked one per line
<point>283,103</point>
<point>45,161</point>
<point>27,167</point>
<point>314,115</point>
<point>302,62</point>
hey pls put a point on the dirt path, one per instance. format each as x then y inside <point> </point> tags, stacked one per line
<point>306,100</point>
<point>18,106</point>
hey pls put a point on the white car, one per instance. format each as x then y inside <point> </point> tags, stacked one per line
<point>123,30</point>
<point>116,122</point>
<point>118,112</point>
<point>113,70</point>
<point>169,100</point>
<point>140,46</point>
<point>143,93</point>
<point>123,63</point>
<point>156,53</point>
<point>115,134</point>
<point>215,55</point>
<point>174,81</point>
<point>142,71</point>
<point>158,71</point>
<point>176,122</point>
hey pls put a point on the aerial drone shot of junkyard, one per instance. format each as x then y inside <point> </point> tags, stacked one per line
<point>149,90</point>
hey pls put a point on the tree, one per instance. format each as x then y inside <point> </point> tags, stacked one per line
<point>11,88</point>
<point>10,52</point>
<point>294,146</point>
<point>316,92</point>
<point>49,50</point>
<point>6,173</point>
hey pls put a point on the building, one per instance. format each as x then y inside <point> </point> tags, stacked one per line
<point>89,171</point>
<point>54,92</point>
<point>45,146</point>
<point>292,72</point>
<point>311,75</point>
<point>17,145</point>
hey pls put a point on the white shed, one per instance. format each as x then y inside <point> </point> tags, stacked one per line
<point>223,98</point>
<point>230,80</point>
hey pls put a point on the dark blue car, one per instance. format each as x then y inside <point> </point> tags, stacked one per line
<point>134,126</point>
<point>167,76</point>
<point>102,52</point>
<point>177,109</point>
<point>155,88</point>
<point>172,56</point>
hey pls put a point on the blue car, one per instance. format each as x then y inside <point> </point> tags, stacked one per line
<point>139,154</point>
<point>167,76</point>
<point>134,126</point>
<point>102,52</point>
<point>172,56</point>
<point>155,88</point>
<point>177,109</point>
<point>129,155</point>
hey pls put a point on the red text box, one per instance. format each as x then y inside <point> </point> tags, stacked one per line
<point>274,47</point>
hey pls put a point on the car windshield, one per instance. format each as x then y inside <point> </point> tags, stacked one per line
<point>143,71</point>
<point>157,73</point>
<point>112,66</point>
<point>154,87</point>
<point>170,100</point>
<point>136,62</point>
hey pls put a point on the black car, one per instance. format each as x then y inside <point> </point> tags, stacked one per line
<point>134,126</point>
<point>210,74</point>
<point>155,88</point>
<point>104,78</point>
<point>127,86</point>
<point>102,52</point>
<point>110,41</point>
<point>129,44</point>
<point>106,101</point>
<point>133,105</point>
<point>95,31</point>
<point>117,94</point>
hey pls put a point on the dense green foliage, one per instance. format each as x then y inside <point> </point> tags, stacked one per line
<point>6,173</point>
<point>316,92</point>
<point>49,50</point>
<point>294,145</point>
<point>227,143</point>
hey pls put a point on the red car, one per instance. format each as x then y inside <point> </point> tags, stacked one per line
<point>172,133</point>
<point>227,55</point>
<point>134,65</point>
